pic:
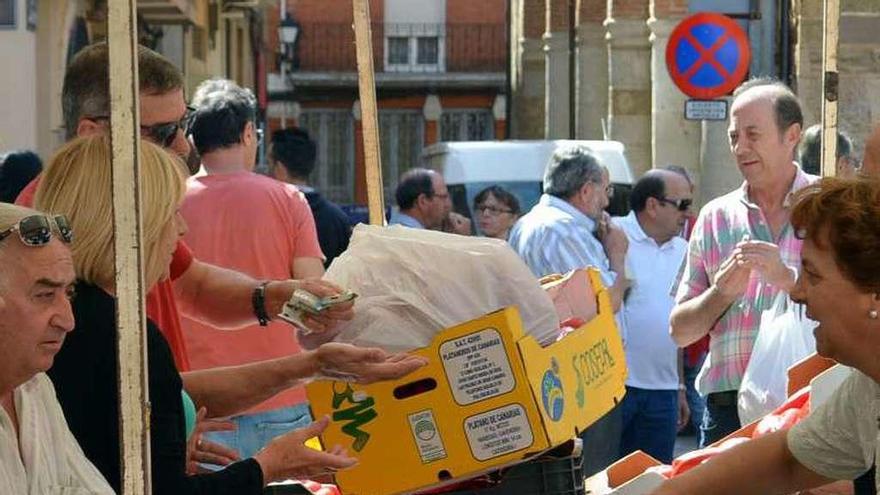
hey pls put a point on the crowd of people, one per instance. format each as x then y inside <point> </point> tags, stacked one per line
<point>226,247</point>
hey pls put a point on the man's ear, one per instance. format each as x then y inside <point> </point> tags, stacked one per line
<point>89,127</point>
<point>793,134</point>
<point>278,171</point>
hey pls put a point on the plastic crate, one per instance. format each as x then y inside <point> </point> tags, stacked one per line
<point>545,475</point>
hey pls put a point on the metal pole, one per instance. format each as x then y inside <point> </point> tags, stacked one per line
<point>830,80</point>
<point>130,313</point>
<point>369,113</point>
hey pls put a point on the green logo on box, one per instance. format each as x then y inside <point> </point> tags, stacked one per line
<point>359,414</point>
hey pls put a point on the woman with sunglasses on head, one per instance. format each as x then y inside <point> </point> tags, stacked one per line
<point>77,184</point>
<point>839,282</point>
<point>496,210</point>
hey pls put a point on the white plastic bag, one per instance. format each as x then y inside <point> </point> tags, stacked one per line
<point>784,338</point>
<point>412,283</point>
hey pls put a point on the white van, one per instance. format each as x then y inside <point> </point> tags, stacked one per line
<point>518,166</point>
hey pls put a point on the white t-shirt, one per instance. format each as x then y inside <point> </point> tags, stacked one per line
<point>50,461</point>
<point>839,440</point>
<point>651,354</point>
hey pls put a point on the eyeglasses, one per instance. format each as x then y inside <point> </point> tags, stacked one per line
<point>491,210</point>
<point>679,204</point>
<point>162,134</point>
<point>609,189</point>
<point>36,230</point>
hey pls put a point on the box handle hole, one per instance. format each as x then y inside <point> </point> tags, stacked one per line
<point>415,388</point>
<point>444,475</point>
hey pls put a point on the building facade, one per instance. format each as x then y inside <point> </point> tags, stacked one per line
<point>440,76</point>
<point>205,38</point>
<point>621,89</point>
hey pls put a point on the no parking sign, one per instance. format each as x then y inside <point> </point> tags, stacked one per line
<point>707,55</point>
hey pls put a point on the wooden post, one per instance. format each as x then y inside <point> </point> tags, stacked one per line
<point>830,24</point>
<point>369,113</point>
<point>130,312</point>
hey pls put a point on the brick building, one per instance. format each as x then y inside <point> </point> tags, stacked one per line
<point>440,76</point>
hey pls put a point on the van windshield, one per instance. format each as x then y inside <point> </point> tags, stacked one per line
<point>528,193</point>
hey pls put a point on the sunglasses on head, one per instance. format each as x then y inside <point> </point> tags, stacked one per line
<point>36,230</point>
<point>679,204</point>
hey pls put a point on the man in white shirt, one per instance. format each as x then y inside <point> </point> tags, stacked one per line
<point>38,454</point>
<point>655,402</point>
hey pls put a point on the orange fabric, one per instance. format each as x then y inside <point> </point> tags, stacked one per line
<point>258,226</point>
<point>161,307</point>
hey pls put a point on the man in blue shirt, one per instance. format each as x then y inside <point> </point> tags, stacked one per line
<point>422,200</point>
<point>569,229</point>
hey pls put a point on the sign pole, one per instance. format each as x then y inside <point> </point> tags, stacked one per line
<point>128,249</point>
<point>370,115</point>
<point>830,24</point>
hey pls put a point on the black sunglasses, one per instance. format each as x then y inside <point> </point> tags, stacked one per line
<point>36,230</point>
<point>161,134</point>
<point>679,204</point>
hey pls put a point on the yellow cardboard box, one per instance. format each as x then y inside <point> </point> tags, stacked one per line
<point>490,396</point>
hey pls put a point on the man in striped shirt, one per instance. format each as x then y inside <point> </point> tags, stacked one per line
<point>569,229</point>
<point>743,251</point>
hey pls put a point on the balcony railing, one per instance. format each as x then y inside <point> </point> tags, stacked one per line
<point>324,47</point>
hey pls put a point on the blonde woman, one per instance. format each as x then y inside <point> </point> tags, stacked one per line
<point>77,183</point>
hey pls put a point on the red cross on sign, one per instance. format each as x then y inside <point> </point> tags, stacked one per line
<point>707,55</point>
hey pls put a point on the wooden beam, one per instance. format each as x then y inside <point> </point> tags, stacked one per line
<point>128,248</point>
<point>830,40</point>
<point>369,112</point>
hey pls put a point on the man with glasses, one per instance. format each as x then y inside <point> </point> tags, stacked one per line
<point>655,405</point>
<point>568,229</point>
<point>422,200</point>
<point>743,250</point>
<point>251,223</point>
<point>38,453</point>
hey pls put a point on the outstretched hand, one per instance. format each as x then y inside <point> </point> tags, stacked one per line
<point>287,456</point>
<point>363,364</point>
<point>200,451</point>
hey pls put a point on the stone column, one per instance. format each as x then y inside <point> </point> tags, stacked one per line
<point>674,140</point>
<point>527,93</point>
<point>629,74</point>
<point>592,68</point>
<point>808,58</point>
<point>432,109</point>
<point>556,44</point>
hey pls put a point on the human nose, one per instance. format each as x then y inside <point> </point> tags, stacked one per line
<point>180,144</point>
<point>797,293</point>
<point>63,318</point>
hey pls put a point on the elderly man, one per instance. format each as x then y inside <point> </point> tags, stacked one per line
<point>743,251</point>
<point>38,454</point>
<point>218,296</point>
<point>567,230</point>
<point>253,224</point>
<point>655,405</point>
<point>422,200</point>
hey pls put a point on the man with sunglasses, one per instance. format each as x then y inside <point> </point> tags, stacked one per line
<point>743,250</point>
<point>422,200</point>
<point>655,404</point>
<point>38,453</point>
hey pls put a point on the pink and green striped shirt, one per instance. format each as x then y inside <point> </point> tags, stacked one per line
<point>723,223</point>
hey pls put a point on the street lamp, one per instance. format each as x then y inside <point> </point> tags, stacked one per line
<point>288,30</point>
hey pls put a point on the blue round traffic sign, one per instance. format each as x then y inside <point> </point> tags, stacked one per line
<point>708,55</point>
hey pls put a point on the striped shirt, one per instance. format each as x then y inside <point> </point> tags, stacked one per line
<point>723,223</point>
<point>556,237</point>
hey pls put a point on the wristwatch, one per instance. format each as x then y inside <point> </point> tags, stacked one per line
<point>258,301</point>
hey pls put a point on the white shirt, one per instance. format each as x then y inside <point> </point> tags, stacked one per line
<point>651,354</point>
<point>50,461</point>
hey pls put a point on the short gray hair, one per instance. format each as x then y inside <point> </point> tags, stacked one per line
<point>569,169</point>
<point>222,110</point>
